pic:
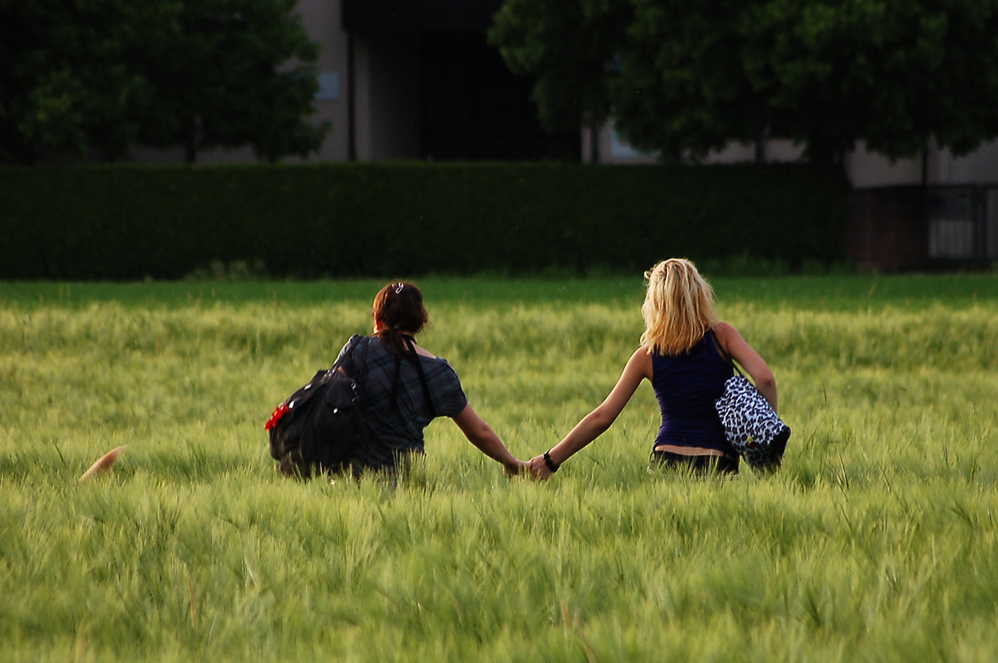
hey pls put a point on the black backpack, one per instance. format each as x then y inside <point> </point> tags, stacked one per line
<point>317,427</point>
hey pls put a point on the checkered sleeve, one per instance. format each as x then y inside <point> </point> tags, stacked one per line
<point>448,398</point>
<point>347,359</point>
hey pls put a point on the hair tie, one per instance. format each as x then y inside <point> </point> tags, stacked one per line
<point>398,288</point>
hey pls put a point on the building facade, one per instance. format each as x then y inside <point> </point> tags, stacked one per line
<point>417,80</point>
<point>937,211</point>
<point>413,79</point>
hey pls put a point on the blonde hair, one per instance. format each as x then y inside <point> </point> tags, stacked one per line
<point>678,308</point>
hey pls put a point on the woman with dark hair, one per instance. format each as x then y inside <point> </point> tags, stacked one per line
<point>404,387</point>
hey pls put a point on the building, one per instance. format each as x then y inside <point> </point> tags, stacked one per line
<point>416,79</point>
<point>937,211</point>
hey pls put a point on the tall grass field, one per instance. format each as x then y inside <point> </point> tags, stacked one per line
<point>876,542</point>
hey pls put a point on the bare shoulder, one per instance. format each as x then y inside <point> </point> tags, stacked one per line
<point>641,361</point>
<point>641,352</point>
<point>723,330</point>
<point>726,335</point>
<point>423,352</point>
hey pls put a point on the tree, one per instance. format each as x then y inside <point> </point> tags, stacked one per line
<point>888,72</point>
<point>680,88</point>
<point>67,82</point>
<point>568,46</point>
<point>685,77</point>
<point>224,81</point>
<point>105,75</point>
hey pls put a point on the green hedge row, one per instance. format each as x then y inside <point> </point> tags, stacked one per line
<point>132,222</point>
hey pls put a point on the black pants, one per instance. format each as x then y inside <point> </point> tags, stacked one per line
<point>699,465</point>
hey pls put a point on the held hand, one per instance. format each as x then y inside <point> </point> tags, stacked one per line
<point>538,468</point>
<point>514,469</point>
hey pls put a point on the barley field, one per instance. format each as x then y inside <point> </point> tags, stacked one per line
<point>876,542</point>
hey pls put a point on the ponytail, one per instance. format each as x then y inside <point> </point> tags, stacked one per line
<point>399,308</point>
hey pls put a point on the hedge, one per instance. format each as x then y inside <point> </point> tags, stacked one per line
<point>132,222</point>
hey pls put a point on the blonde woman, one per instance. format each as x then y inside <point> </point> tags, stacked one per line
<point>686,355</point>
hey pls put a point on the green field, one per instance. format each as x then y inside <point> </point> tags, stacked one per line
<point>877,542</point>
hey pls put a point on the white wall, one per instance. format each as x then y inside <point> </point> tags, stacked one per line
<point>980,166</point>
<point>322,20</point>
<point>387,105</point>
<point>614,149</point>
<point>864,169</point>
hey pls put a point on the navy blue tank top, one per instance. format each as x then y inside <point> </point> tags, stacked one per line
<point>686,386</point>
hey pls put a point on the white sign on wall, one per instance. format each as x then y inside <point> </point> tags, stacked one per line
<point>329,86</point>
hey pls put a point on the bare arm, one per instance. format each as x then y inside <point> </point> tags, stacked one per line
<point>482,436</point>
<point>599,420</point>
<point>736,347</point>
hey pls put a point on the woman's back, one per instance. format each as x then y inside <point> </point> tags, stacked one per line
<point>397,427</point>
<point>687,385</point>
<point>684,353</point>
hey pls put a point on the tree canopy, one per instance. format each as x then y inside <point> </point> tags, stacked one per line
<point>682,77</point>
<point>81,76</point>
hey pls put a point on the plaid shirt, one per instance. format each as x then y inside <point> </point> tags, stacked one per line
<point>398,429</point>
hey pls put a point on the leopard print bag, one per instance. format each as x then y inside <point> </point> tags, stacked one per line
<point>751,426</point>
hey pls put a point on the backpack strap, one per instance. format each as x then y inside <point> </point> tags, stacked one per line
<point>422,378</point>
<point>724,355</point>
<point>414,358</point>
<point>359,367</point>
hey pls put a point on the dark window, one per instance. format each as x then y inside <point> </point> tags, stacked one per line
<point>474,108</point>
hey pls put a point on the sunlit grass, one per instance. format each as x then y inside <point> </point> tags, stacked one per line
<point>877,541</point>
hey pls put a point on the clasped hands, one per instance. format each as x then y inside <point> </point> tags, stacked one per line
<point>536,466</point>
